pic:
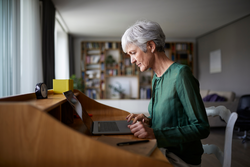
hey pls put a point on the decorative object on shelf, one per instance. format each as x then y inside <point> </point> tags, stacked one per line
<point>118,89</point>
<point>41,91</point>
<point>62,85</point>
<point>91,74</point>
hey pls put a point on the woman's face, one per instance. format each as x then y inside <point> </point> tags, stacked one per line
<point>141,59</point>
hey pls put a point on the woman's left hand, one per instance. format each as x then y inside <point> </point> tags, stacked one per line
<point>141,130</point>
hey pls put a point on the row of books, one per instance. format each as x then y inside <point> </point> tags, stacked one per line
<point>182,57</point>
<point>180,47</point>
<point>93,83</point>
<point>98,45</point>
<point>127,62</point>
<point>102,66</point>
<point>93,45</point>
<point>129,71</point>
<point>92,59</point>
<point>83,75</point>
<point>145,93</point>
<point>103,85</point>
<point>102,76</point>
<point>112,72</point>
<point>92,93</point>
<point>111,45</point>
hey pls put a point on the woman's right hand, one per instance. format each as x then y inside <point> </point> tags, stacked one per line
<point>137,117</point>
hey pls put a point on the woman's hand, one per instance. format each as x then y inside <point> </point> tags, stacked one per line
<point>141,130</point>
<point>138,117</point>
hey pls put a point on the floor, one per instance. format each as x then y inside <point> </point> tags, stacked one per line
<point>240,152</point>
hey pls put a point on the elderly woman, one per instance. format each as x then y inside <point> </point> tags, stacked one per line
<point>178,119</point>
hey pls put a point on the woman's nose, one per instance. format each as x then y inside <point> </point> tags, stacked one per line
<point>133,60</point>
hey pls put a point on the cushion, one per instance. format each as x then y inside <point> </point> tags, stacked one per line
<point>213,98</point>
<point>230,96</point>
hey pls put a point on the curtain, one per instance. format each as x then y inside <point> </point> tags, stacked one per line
<point>9,47</point>
<point>20,46</point>
<point>48,49</point>
<point>71,55</point>
<point>31,52</point>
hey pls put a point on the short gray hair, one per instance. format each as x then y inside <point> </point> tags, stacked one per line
<point>142,32</point>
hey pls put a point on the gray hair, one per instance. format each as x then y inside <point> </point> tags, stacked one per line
<point>142,32</point>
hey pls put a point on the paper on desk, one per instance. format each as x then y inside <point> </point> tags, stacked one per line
<point>140,148</point>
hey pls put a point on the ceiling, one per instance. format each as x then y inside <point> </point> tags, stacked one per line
<point>179,19</point>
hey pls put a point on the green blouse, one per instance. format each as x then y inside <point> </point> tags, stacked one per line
<point>178,114</point>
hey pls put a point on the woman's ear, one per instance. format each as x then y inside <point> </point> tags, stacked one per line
<point>151,46</point>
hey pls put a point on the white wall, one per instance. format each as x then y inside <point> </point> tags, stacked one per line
<point>132,106</point>
<point>234,42</point>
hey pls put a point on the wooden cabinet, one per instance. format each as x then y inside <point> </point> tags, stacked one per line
<point>106,67</point>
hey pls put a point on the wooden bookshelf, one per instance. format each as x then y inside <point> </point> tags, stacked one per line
<point>93,69</point>
<point>114,65</point>
<point>181,52</point>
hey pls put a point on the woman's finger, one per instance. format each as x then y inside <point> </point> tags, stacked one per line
<point>135,120</point>
<point>129,117</point>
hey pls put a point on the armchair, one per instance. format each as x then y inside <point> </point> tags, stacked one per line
<point>243,121</point>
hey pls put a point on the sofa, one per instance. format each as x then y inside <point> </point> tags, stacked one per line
<point>231,103</point>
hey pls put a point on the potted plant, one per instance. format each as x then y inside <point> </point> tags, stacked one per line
<point>77,83</point>
<point>118,89</point>
<point>110,61</point>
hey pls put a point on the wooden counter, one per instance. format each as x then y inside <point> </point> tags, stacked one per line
<point>44,133</point>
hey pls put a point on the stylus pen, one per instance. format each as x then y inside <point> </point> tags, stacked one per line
<point>132,142</point>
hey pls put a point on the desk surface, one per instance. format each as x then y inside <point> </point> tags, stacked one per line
<point>31,137</point>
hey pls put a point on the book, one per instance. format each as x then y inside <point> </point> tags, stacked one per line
<point>140,148</point>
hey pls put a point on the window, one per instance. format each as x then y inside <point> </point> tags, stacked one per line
<point>61,49</point>
<point>20,47</point>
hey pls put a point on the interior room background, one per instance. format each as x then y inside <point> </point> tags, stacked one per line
<point>234,42</point>
<point>21,66</point>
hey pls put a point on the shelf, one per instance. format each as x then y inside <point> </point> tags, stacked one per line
<point>93,78</point>
<point>92,64</point>
<point>113,49</point>
<point>92,69</point>
<point>111,68</point>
